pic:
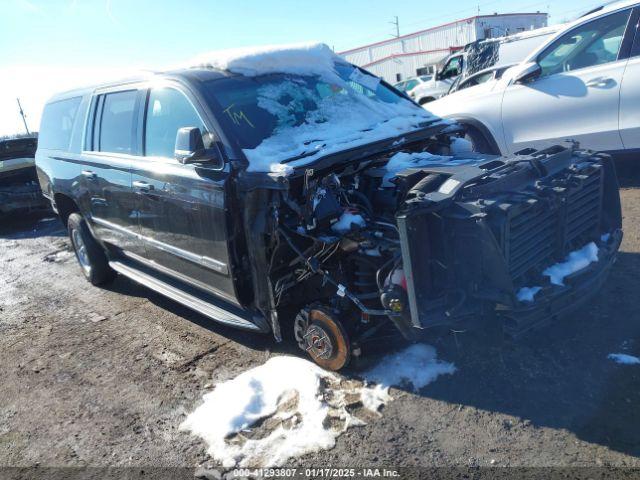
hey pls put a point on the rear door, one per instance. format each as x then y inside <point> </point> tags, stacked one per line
<point>110,146</point>
<point>630,95</point>
<point>181,208</point>
<point>577,97</point>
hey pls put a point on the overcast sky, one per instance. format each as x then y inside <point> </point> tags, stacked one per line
<point>52,45</point>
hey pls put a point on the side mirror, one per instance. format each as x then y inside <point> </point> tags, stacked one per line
<point>190,148</point>
<point>528,73</point>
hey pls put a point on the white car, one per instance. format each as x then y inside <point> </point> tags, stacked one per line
<point>582,86</point>
<point>484,80</point>
<point>409,85</point>
<point>438,86</point>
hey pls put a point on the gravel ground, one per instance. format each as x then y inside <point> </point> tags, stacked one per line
<point>103,377</point>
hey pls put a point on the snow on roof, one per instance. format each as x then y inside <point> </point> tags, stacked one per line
<point>299,59</point>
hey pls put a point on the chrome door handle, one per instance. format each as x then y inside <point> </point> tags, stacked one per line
<point>143,186</point>
<point>601,82</point>
<point>89,174</point>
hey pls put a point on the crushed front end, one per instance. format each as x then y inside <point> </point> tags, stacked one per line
<point>486,238</point>
<point>404,241</point>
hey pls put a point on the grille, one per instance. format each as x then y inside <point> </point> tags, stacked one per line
<point>532,239</point>
<point>584,207</point>
<point>557,218</point>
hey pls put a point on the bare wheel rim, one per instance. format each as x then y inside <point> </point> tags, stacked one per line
<point>326,340</point>
<point>81,250</point>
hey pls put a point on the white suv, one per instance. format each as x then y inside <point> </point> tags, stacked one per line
<point>583,86</point>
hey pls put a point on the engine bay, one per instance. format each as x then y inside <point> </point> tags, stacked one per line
<point>414,239</point>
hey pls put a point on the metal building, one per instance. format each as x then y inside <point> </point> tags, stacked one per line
<point>418,53</point>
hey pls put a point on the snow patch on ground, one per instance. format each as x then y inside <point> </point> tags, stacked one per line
<point>284,408</point>
<point>575,262</point>
<point>347,219</point>
<point>624,359</point>
<point>417,366</point>
<point>297,59</point>
<point>290,407</point>
<point>528,294</point>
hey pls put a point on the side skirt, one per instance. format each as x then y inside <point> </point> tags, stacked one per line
<point>206,305</point>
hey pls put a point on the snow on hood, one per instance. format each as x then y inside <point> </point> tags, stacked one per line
<point>297,59</point>
<point>341,132</point>
<point>404,160</point>
<point>290,407</point>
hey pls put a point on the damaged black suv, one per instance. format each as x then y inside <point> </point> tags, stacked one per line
<point>288,189</point>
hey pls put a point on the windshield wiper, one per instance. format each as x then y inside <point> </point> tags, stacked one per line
<point>304,154</point>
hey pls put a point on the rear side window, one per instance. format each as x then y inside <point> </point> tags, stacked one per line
<point>57,123</point>
<point>117,122</point>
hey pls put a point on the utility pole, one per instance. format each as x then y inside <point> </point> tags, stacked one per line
<point>24,117</point>
<point>397,24</point>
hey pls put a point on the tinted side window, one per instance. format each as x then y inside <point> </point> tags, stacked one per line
<point>411,85</point>
<point>168,110</point>
<point>117,122</point>
<point>635,49</point>
<point>57,123</point>
<point>453,68</point>
<point>594,43</point>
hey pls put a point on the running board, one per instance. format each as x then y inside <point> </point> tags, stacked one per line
<point>211,307</point>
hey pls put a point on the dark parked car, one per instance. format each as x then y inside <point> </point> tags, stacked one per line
<point>19,188</point>
<point>289,189</point>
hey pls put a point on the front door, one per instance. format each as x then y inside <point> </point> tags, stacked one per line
<point>630,96</point>
<point>577,96</point>
<point>181,208</point>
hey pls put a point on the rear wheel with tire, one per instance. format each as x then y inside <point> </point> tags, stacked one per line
<point>91,257</point>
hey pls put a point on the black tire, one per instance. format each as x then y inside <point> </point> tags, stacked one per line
<point>479,142</point>
<point>424,101</point>
<point>90,255</point>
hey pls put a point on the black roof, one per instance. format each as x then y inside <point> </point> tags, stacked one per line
<point>190,74</point>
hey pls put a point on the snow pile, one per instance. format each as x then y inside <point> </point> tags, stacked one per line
<point>294,407</point>
<point>418,366</point>
<point>575,262</point>
<point>403,160</point>
<point>297,59</point>
<point>347,219</point>
<point>624,359</point>
<point>290,407</point>
<point>528,294</point>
